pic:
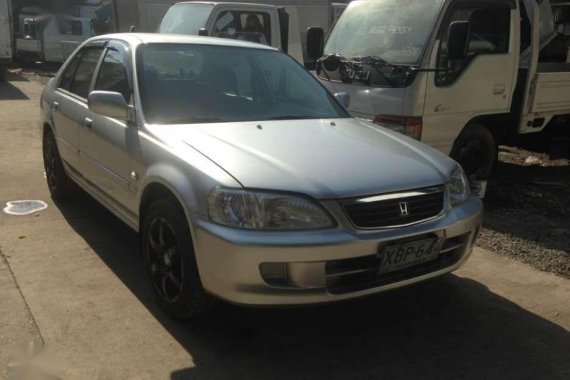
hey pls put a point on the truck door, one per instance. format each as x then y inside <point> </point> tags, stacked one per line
<point>479,84</point>
<point>251,23</point>
<point>6,44</point>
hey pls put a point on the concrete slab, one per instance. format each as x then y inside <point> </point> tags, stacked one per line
<point>79,271</point>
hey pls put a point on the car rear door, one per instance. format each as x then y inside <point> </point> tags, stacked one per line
<point>106,144</point>
<point>69,103</point>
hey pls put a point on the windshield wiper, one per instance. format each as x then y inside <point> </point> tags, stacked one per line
<point>372,59</point>
<point>331,62</point>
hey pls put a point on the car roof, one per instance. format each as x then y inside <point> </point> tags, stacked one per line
<point>136,39</point>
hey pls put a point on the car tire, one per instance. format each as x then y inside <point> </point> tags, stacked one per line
<point>476,151</point>
<point>169,258</point>
<point>59,184</point>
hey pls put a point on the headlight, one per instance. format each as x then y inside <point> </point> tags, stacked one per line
<point>458,187</point>
<point>265,211</point>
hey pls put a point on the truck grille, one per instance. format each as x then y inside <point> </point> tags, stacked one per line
<point>395,209</point>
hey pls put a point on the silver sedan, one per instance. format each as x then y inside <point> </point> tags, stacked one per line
<point>245,178</point>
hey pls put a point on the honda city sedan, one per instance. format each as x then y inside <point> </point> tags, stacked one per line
<point>247,180</point>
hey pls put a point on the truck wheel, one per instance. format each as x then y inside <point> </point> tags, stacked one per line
<point>169,257</point>
<point>2,74</point>
<point>59,184</point>
<point>476,151</point>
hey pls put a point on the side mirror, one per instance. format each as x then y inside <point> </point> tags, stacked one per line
<point>107,103</point>
<point>203,32</point>
<point>315,42</point>
<point>343,98</point>
<point>458,37</point>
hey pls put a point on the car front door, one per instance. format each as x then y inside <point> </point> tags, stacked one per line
<point>70,102</point>
<point>107,144</point>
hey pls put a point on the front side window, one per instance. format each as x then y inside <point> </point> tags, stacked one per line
<point>183,83</point>
<point>113,74</point>
<point>245,26</point>
<point>85,70</point>
<point>489,35</point>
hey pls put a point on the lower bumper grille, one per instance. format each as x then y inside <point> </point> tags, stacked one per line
<point>361,273</point>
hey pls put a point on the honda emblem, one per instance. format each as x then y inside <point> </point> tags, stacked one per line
<point>403,208</point>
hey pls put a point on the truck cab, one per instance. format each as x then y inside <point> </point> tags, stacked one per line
<point>264,24</point>
<point>460,75</point>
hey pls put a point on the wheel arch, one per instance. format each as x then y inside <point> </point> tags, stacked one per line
<point>500,125</point>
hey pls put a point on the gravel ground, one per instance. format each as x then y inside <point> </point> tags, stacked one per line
<point>527,210</point>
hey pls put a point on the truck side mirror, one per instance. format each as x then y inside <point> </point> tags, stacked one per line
<point>315,42</point>
<point>458,37</point>
<point>203,32</point>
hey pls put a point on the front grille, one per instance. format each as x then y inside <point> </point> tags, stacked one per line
<point>396,209</point>
<point>361,273</point>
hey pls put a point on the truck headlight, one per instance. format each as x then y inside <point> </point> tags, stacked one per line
<point>458,187</point>
<point>265,211</point>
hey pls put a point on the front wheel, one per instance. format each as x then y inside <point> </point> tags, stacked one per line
<point>476,151</point>
<point>170,261</point>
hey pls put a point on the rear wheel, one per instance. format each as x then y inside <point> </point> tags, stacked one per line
<point>59,184</point>
<point>170,261</point>
<point>476,151</point>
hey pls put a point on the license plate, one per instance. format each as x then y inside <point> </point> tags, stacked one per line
<point>401,256</point>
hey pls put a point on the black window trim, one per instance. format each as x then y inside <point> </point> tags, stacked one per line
<point>482,4</point>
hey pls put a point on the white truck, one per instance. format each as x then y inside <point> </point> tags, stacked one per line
<point>49,38</point>
<point>6,37</point>
<point>190,16</point>
<point>460,75</point>
<point>266,24</point>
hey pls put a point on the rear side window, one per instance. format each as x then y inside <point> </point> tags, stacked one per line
<point>84,72</point>
<point>113,74</point>
<point>67,77</point>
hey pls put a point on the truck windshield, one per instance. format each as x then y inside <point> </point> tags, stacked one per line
<point>394,30</point>
<point>185,18</point>
<point>192,83</point>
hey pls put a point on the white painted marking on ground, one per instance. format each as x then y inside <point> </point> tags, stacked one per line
<point>24,207</point>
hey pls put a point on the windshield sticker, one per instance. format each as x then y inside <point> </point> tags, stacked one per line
<point>391,29</point>
<point>24,207</point>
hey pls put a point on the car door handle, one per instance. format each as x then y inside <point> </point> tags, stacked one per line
<point>55,106</point>
<point>498,89</point>
<point>88,123</point>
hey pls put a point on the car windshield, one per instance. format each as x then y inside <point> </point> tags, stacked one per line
<point>394,30</point>
<point>185,18</point>
<point>192,83</point>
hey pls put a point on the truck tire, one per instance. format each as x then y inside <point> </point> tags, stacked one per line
<point>2,74</point>
<point>169,258</point>
<point>476,151</point>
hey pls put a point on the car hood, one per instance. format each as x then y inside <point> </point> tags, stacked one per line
<point>325,159</point>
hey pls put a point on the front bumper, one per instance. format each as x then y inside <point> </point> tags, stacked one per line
<point>319,265</point>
